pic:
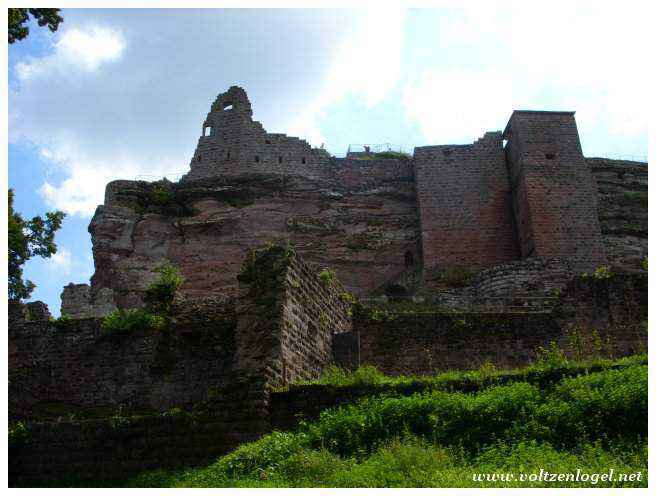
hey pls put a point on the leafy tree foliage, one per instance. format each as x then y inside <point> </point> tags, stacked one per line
<point>27,239</point>
<point>18,17</point>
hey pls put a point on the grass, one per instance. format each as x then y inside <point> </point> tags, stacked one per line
<point>592,422</point>
<point>547,368</point>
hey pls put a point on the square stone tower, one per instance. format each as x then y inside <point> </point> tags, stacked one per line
<point>554,192</point>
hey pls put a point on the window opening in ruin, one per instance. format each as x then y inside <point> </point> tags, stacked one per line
<point>550,156</point>
<point>257,158</point>
<point>446,153</point>
<point>208,131</point>
<point>199,158</point>
<point>280,160</point>
<point>227,106</point>
<point>409,259</point>
<point>303,160</point>
<point>268,142</point>
<point>228,157</point>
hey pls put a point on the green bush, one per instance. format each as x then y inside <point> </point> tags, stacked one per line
<point>161,292</point>
<point>391,154</point>
<point>327,275</point>
<point>162,194</point>
<point>126,321</point>
<point>551,357</point>
<point>62,322</point>
<point>18,435</point>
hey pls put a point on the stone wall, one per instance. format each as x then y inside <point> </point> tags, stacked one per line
<point>69,366</point>
<point>287,317</point>
<point>555,195</point>
<point>232,142</point>
<point>420,338</point>
<point>201,386</point>
<point>465,204</point>
<point>622,192</point>
<point>79,303</point>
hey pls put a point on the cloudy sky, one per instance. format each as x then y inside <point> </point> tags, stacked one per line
<point>123,93</point>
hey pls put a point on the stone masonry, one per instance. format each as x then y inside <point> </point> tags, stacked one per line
<point>386,224</point>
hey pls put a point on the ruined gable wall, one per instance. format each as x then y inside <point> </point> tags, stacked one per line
<point>232,143</point>
<point>465,204</point>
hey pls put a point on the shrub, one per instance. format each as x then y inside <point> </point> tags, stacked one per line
<point>162,194</point>
<point>551,357</point>
<point>161,293</point>
<point>18,435</point>
<point>61,322</point>
<point>327,275</point>
<point>127,321</point>
<point>391,154</point>
<point>602,272</point>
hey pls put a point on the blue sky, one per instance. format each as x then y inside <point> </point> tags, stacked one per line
<point>123,93</point>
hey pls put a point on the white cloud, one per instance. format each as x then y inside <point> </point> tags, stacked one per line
<point>61,261</point>
<point>456,106</point>
<point>367,65</point>
<point>77,49</point>
<point>582,56</point>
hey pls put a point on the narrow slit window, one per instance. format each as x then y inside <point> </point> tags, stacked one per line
<point>257,158</point>
<point>228,157</point>
<point>303,160</point>
<point>280,160</point>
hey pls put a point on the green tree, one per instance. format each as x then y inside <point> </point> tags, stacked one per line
<point>18,17</point>
<point>25,240</point>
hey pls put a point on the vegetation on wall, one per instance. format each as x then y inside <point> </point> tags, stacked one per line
<point>159,298</point>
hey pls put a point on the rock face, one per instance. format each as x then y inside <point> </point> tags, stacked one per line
<point>622,187</point>
<point>386,225</point>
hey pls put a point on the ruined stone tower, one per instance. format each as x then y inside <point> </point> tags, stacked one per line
<point>554,193</point>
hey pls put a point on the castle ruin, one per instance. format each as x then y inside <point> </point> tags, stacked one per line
<point>484,243</point>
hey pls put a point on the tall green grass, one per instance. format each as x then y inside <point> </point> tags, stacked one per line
<point>440,439</point>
